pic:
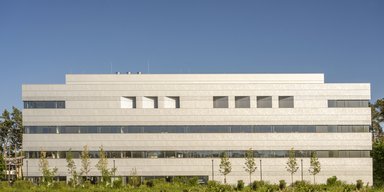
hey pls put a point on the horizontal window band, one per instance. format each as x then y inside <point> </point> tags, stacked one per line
<point>348,103</point>
<point>44,104</point>
<point>197,129</point>
<point>203,154</point>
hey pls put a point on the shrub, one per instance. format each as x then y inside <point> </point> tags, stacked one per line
<point>240,185</point>
<point>282,184</point>
<point>257,184</point>
<point>359,184</point>
<point>117,183</point>
<point>332,181</point>
<point>86,184</point>
<point>149,183</point>
<point>303,186</point>
<point>190,181</point>
<point>214,186</point>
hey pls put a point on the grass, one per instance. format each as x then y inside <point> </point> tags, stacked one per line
<point>162,186</point>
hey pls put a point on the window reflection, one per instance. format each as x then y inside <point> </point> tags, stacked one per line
<point>198,129</point>
<point>202,154</point>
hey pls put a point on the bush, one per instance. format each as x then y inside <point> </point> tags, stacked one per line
<point>240,185</point>
<point>359,184</point>
<point>117,183</point>
<point>282,184</point>
<point>149,183</point>
<point>257,184</point>
<point>303,186</point>
<point>214,186</point>
<point>86,184</point>
<point>332,181</point>
<point>190,181</point>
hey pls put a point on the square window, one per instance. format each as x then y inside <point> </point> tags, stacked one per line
<point>286,102</point>
<point>220,102</point>
<point>150,102</point>
<point>264,101</point>
<point>172,102</point>
<point>242,102</point>
<point>128,102</point>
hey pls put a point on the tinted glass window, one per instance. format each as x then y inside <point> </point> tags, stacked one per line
<point>133,129</point>
<point>242,129</point>
<point>242,102</point>
<point>348,103</point>
<point>110,129</point>
<point>286,102</point>
<point>41,130</point>
<point>220,102</point>
<point>263,129</point>
<point>44,104</point>
<point>264,101</point>
<point>69,130</point>
<point>138,154</point>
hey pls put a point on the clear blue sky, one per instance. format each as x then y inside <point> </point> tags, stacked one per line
<point>41,41</point>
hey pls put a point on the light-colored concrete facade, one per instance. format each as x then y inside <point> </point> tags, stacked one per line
<point>99,100</point>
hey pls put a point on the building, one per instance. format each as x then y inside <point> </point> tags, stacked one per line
<point>179,124</point>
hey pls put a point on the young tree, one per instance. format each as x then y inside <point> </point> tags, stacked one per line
<point>85,162</point>
<point>250,164</point>
<point>134,180</point>
<point>72,168</point>
<point>315,166</point>
<point>292,166</point>
<point>102,166</point>
<point>225,166</point>
<point>48,173</point>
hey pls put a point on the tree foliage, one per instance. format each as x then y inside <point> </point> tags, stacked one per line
<point>2,167</point>
<point>292,166</point>
<point>250,164</point>
<point>225,166</point>
<point>72,169</point>
<point>377,112</point>
<point>315,166</point>
<point>378,162</point>
<point>102,166</point>
<point>134,180</point>
<point>11,131</point>
<point>46,171</point>
<point>85,162</point>
<point>16,133</point>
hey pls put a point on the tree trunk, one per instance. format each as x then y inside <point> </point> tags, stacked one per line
<point>250,180</point>
<point>314,180</point>
<point>292,179</point>
<point>225,179</point>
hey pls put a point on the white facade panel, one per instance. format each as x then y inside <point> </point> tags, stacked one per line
<point>164,100</point>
